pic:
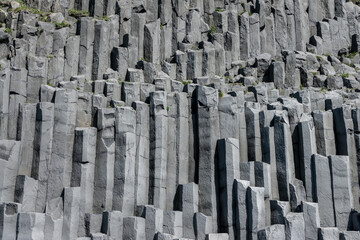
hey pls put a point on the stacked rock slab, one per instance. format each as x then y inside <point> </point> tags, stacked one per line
<point>196,119</point>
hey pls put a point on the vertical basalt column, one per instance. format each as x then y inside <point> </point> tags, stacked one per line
<point>345,145</point>
<point>152,42</point>
<point>158,149</point>
<point>311,219</point>
<point>324,132</point>
<point>284,154</point>
<point>87,34</point>
<point>9,215</point>
<point>253,131</point>
<point>101,55</point>
<point>229,169</point>
<point>72,52</point>
<point>322,192</point>
<point>71,213</point>
<point>240,190</point>
<point>42,151</point>
<point>341,190</point>
<point>125,164</point>
<point>307,148</point>
<point>27,136</point>
<point>31,226</point>
<point>208,133</point>
<point>83,170</point>
<point>60,168</point>
<point>228,117</point>
<point>255,211</point>
<point>142,153</point>
<point>244,36</point>
<point>105,159</point>
<point>187,200</point>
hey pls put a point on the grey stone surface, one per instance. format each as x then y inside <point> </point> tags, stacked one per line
<point>201,119</point>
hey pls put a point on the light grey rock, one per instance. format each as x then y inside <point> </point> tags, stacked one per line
<point>134,228</point>
<point>328,233</point>
<point>272,232</point>
<point>311,219</point>
<point>322,190</point>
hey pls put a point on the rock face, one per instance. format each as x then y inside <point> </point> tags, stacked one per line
<point>179,119</point>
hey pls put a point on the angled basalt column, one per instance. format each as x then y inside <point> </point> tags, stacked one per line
<point>255,211</point>
<point>228,117</point>
<point>311,219</point>
<point>240,190</point>
<point>152,42</point>
<point>125,164</point>
<point>307,148</point>
<point>280,24</point>
<point>26,193</point>
<point>244,31</point>
<point>345,145</point>
<point>153,220</point>
<point>194,64</point>
<point>252,111</point>
<point>43,140</point>
<point>31,226</point>
<point>105,159</point>
<point>208,133</point>
<point>158,149</point>
<point>324,132</point>
<point>142,153</point>
<point>9,214</point>
<point>101,55</point>
<point>87,35</point>
<point>272,232</point>
<point>294,226</point>
<point>173,223</point>
<point>72,53</point>
<point>229,169</point>
<point>254,37</point>
<point>297,194</point>
<point>284,154</point>
<point>134,228</point>
<point>186,201</point>
<point>71,213</point>
<point>63,141</point>
<point>112,224</point>
<point>341,187</point>
<point>28,120</point>
<point>37,75</point>
<point>322,192</point>
<point>83,170</point>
